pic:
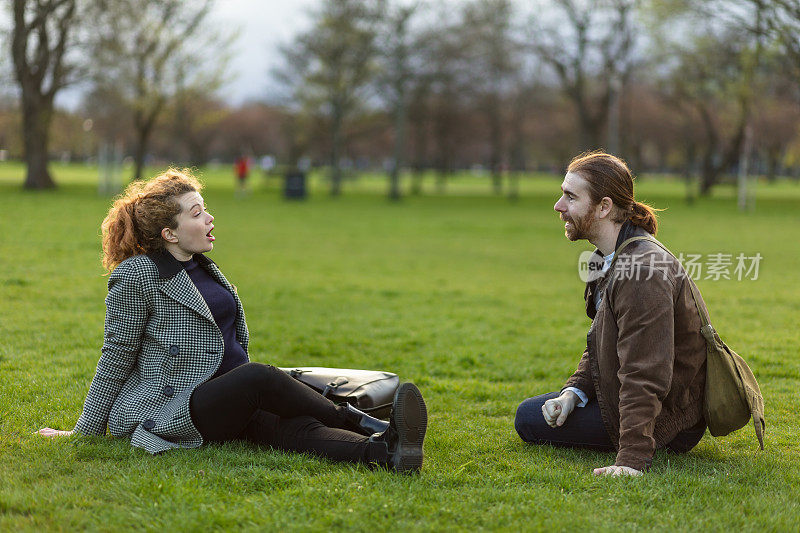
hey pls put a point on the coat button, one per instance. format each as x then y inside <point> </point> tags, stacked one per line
<point>149,424</point>
<point>174,350</point>
<point>168,390</point>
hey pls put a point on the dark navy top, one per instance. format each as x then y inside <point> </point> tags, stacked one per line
<point>223,308</point>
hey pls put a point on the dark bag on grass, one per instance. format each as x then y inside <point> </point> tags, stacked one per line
<point>371,391</point>
<point>732,395</point>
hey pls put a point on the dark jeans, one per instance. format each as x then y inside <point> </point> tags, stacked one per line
<point>583,428</point>
<point>264,405</point>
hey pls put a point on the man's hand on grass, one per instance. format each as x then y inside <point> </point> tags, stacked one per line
<point>615,471</point>
<point>50,432</point>
<point>556,410</point>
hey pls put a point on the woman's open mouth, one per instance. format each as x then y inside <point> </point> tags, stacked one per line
<point>210,237</point>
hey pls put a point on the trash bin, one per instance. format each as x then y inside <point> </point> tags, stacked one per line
<point>295,185</point>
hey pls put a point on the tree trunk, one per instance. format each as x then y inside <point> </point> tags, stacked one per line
<point>416,180</point>
<point>590,132</point>
<point>496,143</point>
<point>513,186</point>
<point>418,115</point>
<point>336,150</point>
<point>441,181</point>
<point>399,146</point>
<point>708,178</point>
<point>710,172</point>
<point>497,180</point>
<point>613,135</point>
<point>37,114</point>
<point>589,137</point>
<point>139,154</point>
<point>198,155</point>
<point>773,163</point>
<point>138,159</point>
<point>144,127</point>
<point>40,75</point>
<point>688,168</point>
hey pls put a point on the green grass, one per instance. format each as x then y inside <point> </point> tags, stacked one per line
<point>473,297</point>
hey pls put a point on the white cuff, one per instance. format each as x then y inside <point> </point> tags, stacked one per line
<point>580,394</point>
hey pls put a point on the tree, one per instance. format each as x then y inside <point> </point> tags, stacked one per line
<point>707,80</point>
<point>330,68</point>
<point>195,117</point>
<point>775,25</point>
<point>111,121</point>
<point>444,81</point>
<point>9,126</point>
<point>493,62</point>
<point>776,115</point>
<point>41,38</point>
<point>396,51</point>
<point>714,74</point>
<point>146,50</point>
<point>782,24</point>
<point>418,115</point>
<point>254,129</point>
<point>591,48</point>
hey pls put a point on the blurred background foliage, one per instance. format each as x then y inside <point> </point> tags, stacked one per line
<point>707,89</point>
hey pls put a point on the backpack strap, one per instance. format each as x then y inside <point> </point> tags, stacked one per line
<point>707,329</point>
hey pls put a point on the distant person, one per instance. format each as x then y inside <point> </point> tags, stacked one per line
<point>175,369</point>
<point>639,385</point>
<point>241,168</point>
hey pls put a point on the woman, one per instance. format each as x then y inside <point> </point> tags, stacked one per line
<point>175,371</point>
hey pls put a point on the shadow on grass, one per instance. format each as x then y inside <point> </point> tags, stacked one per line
<point>707,459</point>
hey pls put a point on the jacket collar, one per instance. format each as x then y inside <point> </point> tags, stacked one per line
<point>168,266</point>
<point>627,231</point>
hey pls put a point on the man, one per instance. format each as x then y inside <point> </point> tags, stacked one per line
<point>639,384</point>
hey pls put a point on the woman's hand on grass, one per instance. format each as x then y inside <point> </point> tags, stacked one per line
<point>615,471</point>
<point>556,410</point>
<point>50,432</point>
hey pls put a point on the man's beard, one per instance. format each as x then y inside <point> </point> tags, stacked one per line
<point>579,228</point>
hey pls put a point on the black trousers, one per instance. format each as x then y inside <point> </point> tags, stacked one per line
<point>264,405</point>
<point>584,428</point>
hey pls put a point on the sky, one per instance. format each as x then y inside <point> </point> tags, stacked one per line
<point>260,27</point>
<point>263,26</point>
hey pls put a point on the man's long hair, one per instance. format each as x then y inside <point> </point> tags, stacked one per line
<point>608,175</point>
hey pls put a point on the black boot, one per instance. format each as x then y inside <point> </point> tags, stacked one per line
<point>362,422</point>
<point>403,439</point>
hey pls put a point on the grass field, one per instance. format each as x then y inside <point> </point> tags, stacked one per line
<point>474,298</point>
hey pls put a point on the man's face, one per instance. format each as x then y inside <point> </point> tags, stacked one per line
<point>576,208</point>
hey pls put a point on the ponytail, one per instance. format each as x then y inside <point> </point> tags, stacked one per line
<point>134,223</point>
<point>119,233</point>
<point>644,216</point>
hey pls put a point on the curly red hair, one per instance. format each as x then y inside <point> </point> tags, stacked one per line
<point>134,223</point>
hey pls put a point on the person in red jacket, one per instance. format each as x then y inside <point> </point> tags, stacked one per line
<point>242,168</point>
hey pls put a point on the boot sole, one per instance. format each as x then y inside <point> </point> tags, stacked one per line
<point>410,420</point>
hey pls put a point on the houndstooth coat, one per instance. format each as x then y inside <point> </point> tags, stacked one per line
<point>160,343</point>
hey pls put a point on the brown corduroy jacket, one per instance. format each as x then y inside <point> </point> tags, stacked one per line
<point>645,359</point>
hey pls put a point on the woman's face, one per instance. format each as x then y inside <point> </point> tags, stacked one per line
<point>193,232</point>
